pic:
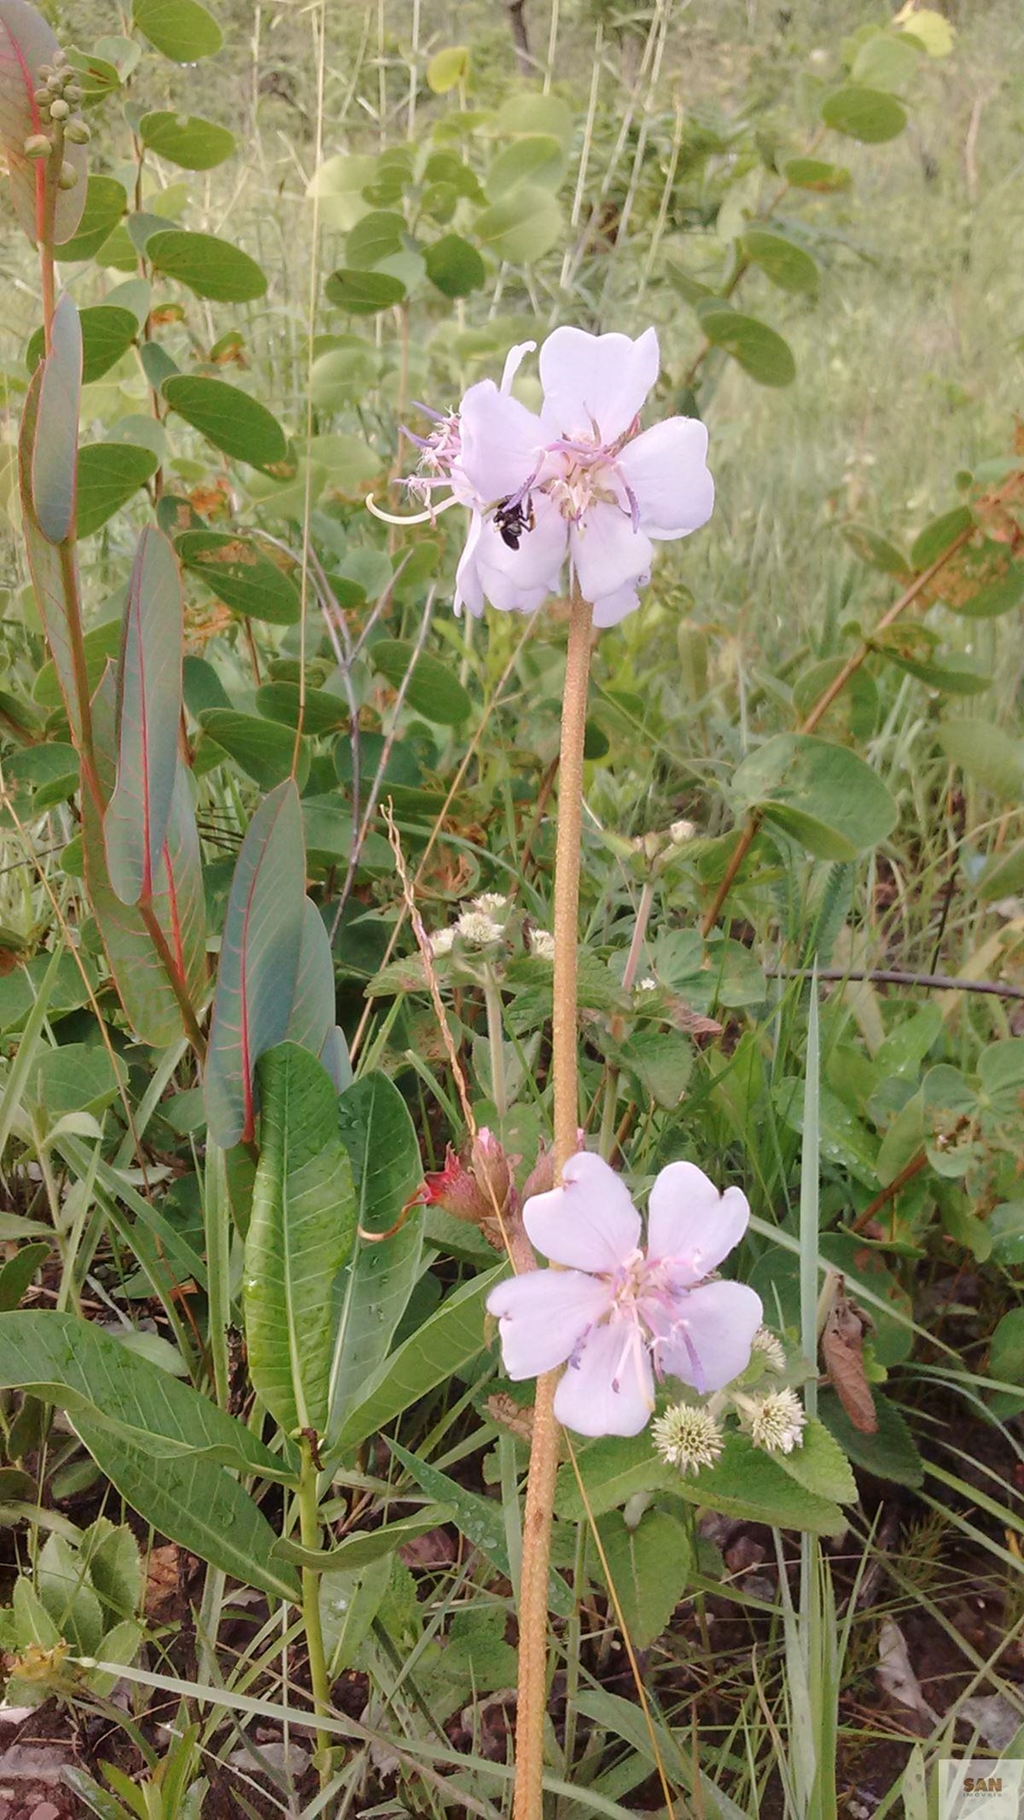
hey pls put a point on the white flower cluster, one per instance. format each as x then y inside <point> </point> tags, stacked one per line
<point>542,944</point>
<point>690,1435</point>
<point>479,926</point>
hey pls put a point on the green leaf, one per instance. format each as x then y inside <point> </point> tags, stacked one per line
<point>65,1592</point>
<point>311,1020</point>
<point>455,267</point>
<point>787,265</point>
<point>107,333</point>
<point>227,417</point>
<point>885,61</point>
<point>661,1061</point>
<point>258,963</point>
<point>822,795</point>
<point>300,1235</point>
<point>105,202</point>
<point>208,266</point>
<point>77,1077</point>
<point>530,112</point>
<point>186,139</point>
<point>746,1482</point>
<point>264,749</point>
<point>649,1566</point>
<point>363,293</point>
<point>17,1273</point>
<point>362,1550</point>
<point>1003,595</point>
<point>377,236</point>
<point>877,550</point>
<point>889,1453</point>
<point>108,474</point>
<point>937,537</point>
<point>182,29</point>
<point>990,756</point>
<point>381,1142</point>
<point>855,707</point>
<point>27,42</point>
<point>752,344</point>
<point>321,712</point>
<point>49,578</point>
<point>820,1465</point>
<point>931,30</point>
<point>447,1341</point>
<point>56,437</point>
<point>148,714</point>
<point>433,690</point>
<point>154,1437</point>
<point>447,68</point>
<point>536,158</point>
<point>522,227</point>
<point>240,575</point>
<point>816,174</point>
<point>867,114</point>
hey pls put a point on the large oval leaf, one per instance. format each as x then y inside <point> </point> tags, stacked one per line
<point>432,691</point>
<point>454,266</point>
<point>182,29</point>
<point>300,1235</point>
<point>54,456</point>
<point>230,419</point>
<point>104,204</point>
<point>208,266</point>
<point>788,265</point>
<point>311,1023</point>
<point>241,575</point>
<point>263,748</point>
<point>186,139</point>
<point>363,293</point>
<point>824,796</point>
<point>157,1440</point>
<point>26,43</point>
<point>867,114</point>
<point>753,345</point>
<point>108,474</point>
<point>148,713</point>
<point>107,332</point>
<point>522,227</point>
<point>258,962</point>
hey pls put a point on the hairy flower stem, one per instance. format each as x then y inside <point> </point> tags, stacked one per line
<point>533,1598</point>
<point>309,1531</point>
<point>492,1003</point>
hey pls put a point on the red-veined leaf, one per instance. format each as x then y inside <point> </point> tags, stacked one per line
<point>55,448</point>
<point>259,960</point>
<point>26,42</point>
<point>148,712</point>
<point>311,1023</point>
<point>51,570</point>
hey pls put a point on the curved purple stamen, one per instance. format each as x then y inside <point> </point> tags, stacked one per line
<point>438,416</point>
<point>634,506</point>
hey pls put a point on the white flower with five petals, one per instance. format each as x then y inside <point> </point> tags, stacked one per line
<point>621,1316</point>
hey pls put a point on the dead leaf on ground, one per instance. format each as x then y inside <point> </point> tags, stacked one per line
<point>842,1348</point>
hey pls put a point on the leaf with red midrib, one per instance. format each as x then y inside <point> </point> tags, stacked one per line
<point>148,711</point>
<point>27,42</point>
<point>258,962</point>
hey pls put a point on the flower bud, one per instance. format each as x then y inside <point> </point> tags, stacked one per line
<point>68,177</point>
<point>77,133</point>
<point>37,146</point>
<point>55,83</point>
<point>42,97</point>
<point>59,110</point>
<point>72,92</point>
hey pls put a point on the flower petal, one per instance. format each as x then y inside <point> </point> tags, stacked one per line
<point>513,361</point>
<point>691,1225</point>
<point>607,553</point>
<point>589,1222</point>
<point>600,379</point>
<point>712,1335</point>
<point>468,588</point>
<point>666,470</point>
<point>542,1315</point>
<point>518,580</point>
<point>608,1387</point>
<point>502,442</point>
<point>612,607</point>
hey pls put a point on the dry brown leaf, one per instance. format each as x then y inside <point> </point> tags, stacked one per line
<point>842,1348</point>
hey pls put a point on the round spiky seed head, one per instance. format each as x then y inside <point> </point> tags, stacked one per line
<point>77,133</point>
<point>68,177</point>
<point>687,1437</point>
<point>59,110</point>
<point>775,1422</point>
<point>37,146</point>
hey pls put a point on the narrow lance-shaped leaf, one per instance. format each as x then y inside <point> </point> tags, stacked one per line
<point>179,900</point>
<point>300,1235</point>
<point>259,960</point>
<point>311,1023</point>
<point>55,449</point>
<point>50,577</point>
<point>154,1437</point>
<point>148,712</point>
<point>146,993</point>
<point>26,43</point>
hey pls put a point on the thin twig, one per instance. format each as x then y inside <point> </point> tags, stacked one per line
<point>899,976</point>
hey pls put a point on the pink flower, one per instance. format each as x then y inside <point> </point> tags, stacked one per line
<point>621,1316</point>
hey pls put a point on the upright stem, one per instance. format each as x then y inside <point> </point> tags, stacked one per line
<point>492,1003</point>
<point>533,1599</point>
<point>309,1531</point>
